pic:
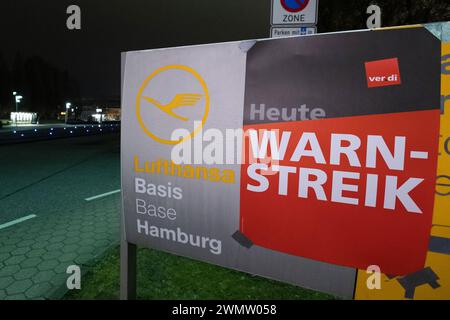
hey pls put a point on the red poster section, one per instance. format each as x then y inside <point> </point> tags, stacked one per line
<point>332,209</point>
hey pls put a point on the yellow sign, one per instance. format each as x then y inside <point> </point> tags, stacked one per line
<point>442,202</point>
<point>432,283</point>
<point>178,100</point>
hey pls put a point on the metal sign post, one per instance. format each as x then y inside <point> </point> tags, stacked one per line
<point>127,268</point>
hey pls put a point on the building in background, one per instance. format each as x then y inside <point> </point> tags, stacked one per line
<point>94,111</point>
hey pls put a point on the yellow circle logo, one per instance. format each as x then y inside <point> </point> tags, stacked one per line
<point>169,109</point>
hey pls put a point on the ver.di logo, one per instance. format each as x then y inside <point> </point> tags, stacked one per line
<point>171,107</point>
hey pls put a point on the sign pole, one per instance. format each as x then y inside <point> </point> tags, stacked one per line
<point>127,268</point>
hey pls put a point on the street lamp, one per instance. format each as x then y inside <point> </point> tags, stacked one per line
<point>68,104</point>
<point>14,94</point>
<point>17,99</point>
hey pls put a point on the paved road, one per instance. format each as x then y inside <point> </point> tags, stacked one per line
<point>45,222</point>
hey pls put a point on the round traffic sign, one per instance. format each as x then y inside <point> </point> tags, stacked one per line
<point>294,6</point>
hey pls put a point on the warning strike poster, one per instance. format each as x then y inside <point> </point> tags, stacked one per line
<point>299,159</point>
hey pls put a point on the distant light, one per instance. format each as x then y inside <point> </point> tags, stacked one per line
<point>75,127</point>
<point>15,131</point>
<point>14,93</point>
<point>51,133</point>
<point>68,104</point>
<point>87,130</point>
<point>23,117</point>
<point>51,129</point>
<point>64,128</point>
<point>98,110</point>
<point>22,135</point>
<point>71,131</point>
<point>35,130</point>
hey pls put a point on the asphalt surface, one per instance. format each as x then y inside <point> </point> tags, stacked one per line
<point>46,224</point>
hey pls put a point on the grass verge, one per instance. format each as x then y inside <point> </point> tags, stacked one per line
<point>163,276</point>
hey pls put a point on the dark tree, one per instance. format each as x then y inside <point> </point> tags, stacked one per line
<point>5,87</point>
<point>45,88</point>
<point>338,15</point>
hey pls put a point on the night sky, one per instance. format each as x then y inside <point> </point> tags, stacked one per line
<point>92,55</point>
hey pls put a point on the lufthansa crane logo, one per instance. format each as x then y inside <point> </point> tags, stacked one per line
<point>185,101</point>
